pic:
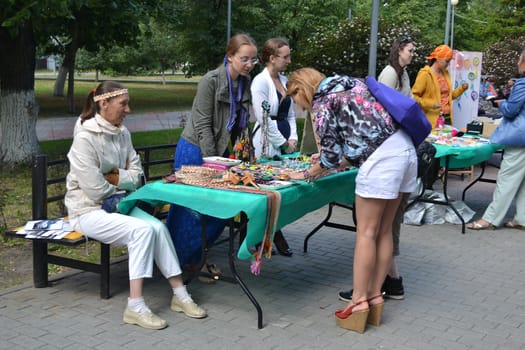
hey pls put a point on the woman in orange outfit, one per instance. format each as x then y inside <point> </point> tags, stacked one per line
<point>433,88</point>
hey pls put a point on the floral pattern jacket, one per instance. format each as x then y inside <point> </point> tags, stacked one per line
<point>349,121</point>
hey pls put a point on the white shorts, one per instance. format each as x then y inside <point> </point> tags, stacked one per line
<point>391,169</point>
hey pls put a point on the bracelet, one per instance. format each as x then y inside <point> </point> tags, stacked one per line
<point>307,176</point>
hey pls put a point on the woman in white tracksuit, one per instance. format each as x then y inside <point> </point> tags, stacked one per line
<point>103,164</point>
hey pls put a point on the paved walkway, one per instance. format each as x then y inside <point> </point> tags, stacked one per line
<point>462,292</point>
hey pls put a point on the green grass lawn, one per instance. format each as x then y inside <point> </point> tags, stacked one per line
<point>15,192</point>
<point>15,198</point>
<point>59,148</point>
<point>144,97</point>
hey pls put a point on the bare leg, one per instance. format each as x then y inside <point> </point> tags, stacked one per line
<point>384,258</point>
<point>373,250</point>
<point>135,288</point>
<point>176,281</point>
<point>393,272</point>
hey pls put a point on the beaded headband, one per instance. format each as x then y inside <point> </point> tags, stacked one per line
<point>110,95</point>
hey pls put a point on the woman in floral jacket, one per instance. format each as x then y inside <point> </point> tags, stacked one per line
<point>354,129</point>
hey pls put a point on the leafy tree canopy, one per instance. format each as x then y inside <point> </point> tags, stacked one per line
<point>203,26</point>
<point>344,49</point>
<point>500,59</point>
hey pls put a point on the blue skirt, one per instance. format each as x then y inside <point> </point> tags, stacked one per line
<point>185,224</point>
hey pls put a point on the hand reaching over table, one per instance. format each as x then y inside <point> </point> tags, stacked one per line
<point>311,174</point>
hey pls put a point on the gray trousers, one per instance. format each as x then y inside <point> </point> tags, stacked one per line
<point>510,185</point>
<point>398,220</point>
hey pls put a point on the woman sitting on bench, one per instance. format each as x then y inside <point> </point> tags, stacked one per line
<point>104,165</point>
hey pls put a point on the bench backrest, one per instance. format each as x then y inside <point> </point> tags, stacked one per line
<point>157,161</point>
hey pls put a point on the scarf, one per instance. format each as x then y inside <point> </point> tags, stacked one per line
<point>235,100</point>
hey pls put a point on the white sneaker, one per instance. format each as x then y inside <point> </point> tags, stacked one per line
<point>189,308</point>
<point>145,319</point>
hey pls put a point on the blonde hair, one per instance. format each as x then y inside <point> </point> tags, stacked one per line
<point>237,41</point>
<point>303,84</point>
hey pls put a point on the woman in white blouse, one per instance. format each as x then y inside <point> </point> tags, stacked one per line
<point>280,136</point>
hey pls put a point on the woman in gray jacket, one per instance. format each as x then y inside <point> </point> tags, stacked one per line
<point>219,117</point>
<point>103,166</point>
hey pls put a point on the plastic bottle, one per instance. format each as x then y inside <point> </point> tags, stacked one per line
<point>440,123</point>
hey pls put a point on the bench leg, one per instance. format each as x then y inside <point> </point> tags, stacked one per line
<point>40,276</point>
<point>104,270</point>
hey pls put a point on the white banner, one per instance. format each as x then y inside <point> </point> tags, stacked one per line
<point>465,67</point>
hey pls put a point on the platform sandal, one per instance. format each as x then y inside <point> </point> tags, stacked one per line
<point>354,321</point>
<point>376,311</point>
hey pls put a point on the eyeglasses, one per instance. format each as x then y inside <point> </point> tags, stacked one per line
<point>246,60</point>
<point>406,40</point>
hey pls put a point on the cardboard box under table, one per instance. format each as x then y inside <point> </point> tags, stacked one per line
<point>296,201</point>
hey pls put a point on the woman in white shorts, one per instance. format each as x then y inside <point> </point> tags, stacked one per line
<point>355,130</point>
<point>103,166</point>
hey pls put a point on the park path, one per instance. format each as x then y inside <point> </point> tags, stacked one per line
<point>62,127</point>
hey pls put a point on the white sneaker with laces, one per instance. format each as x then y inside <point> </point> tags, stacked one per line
<point>144,319</point>
<point>189,308</point>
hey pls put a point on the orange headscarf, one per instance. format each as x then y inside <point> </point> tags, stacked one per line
<point>442,52</point>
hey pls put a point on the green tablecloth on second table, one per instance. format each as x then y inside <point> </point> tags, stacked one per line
<point>296,201</point>
<point>467,155</point>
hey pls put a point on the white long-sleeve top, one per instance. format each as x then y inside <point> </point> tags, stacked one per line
<point>389,77</point>
<point>263,89</point>
<point>99,147</point>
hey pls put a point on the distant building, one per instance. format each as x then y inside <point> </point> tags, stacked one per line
<point>48,62</point>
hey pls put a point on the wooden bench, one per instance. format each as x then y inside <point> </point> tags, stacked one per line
<point>43,176</point>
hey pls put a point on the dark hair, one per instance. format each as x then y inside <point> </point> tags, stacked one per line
<point>237,41</point>
<point>431,61</point>
<point>398,45</point>
<point>270,48</point>
<point>90,106</point>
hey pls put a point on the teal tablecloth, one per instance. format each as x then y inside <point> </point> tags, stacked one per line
<point>465,156</point>
<point>297,201</point>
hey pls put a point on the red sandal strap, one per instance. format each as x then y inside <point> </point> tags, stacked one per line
<point>375,297</point>
<point>344,313</point>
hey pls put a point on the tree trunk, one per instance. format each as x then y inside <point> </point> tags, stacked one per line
<point>19,112</point>
<point>71,89</point>
<point>18,107</point>
<point>70,58</point>
<point>60,82</point>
